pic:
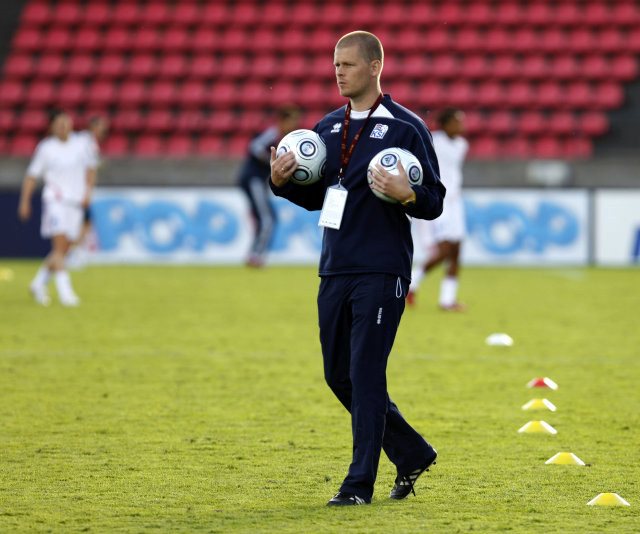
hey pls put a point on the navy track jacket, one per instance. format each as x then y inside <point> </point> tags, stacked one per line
<point>375,236</point>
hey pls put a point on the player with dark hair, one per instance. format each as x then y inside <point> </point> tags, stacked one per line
<point>253,180</point>
<point>365,264</point>
<point>448,230</point>
<point>67,167</point>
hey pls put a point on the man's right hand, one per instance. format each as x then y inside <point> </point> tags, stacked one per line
<point>24,211</point>
<point>282,167</point>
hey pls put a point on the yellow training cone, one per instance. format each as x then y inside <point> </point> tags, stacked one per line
<point>539,404</point>
<point>608,499</point>
<point>539,427</point>
<point>565,458</point>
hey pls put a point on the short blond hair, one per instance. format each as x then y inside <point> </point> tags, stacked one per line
<point>369,45</point>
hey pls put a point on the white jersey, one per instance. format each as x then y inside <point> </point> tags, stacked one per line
<point>451,154</point>
<point>92,145</point>
<point>62,165</point>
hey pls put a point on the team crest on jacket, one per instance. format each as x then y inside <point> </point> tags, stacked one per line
<point>336,127</point>
<point>379,130</point>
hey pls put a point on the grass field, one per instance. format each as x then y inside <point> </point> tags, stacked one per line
<point>191,399</point>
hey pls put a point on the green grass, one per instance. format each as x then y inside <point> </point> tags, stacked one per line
<point>192,399</point>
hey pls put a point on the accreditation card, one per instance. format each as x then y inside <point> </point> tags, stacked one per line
<point>335,200</point>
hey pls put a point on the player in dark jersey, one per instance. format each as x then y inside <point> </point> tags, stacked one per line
<point>365,264</point>
<point>253,181</point>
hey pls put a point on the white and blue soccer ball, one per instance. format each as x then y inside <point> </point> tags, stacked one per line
<point>388,159</point>
<point>310,152</point>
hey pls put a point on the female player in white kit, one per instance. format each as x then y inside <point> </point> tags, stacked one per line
<point>449,229</point>
<point>66,164</point>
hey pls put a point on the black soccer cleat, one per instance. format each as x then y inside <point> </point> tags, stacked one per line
<point>345,499</point>
<point>404,483</point>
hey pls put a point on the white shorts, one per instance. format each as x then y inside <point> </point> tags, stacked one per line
<point>450,226</point>
<point>61,218</point>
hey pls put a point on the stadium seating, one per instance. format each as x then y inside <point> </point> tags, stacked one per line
<point>537,79</point>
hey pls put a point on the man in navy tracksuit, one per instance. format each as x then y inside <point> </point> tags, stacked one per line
<point>365,265</point>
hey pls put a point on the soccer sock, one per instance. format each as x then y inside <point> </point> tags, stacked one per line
<point>42,277</point>
<point>63,284</point>
<point>448,291</point>
<point>417,275</point>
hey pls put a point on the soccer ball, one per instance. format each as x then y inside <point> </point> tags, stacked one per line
<point>388,159</point>
<point>310,152</point>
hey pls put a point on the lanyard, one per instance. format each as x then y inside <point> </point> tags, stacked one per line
<point>345,154</point>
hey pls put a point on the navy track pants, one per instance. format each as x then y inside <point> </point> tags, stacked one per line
<point>359,316</point>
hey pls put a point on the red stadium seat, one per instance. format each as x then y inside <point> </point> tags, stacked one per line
<point>624,68</point>
<point>237,145</point>
<point>18,66</point>
<point>28,40</point>
<point>142,66</point>
<point>190,122</point>
<point>490,94</point>
<point>203,66</point>
<point>50,66</point>
<point>192,94</point>
<point>220,122</point>
<point>595,67</point>
<point>516,148</point>
<point>146,40</point>
<point>111,66</point>
<point>172,66</point>
<point>101,93</point>
<point>532,123</point>
<point>174,40</point>
<point>179,145</point>
<point>519,94</point>
<point>461,94</point>
<point>498,40</point>
<point>468,40</point>
<point>66,14</point>
<point>222,95</point>
<point>565,67</point>
<point>596,14</point>
<point>116,145</point>
<point>581,41</point>
<point>186,14</point>
<point>34,121</point>
<point>608,95</point>
<point>211,145</point>
<point>501,123</point>
<point>71,94</point>
<point>162,93</point>
<point>87,40</point>
<point>538,14</point>
<point>549,95</point>
<point>149,146</point>
<point>579,95</point>
<point>23,144</point>
<point>80,66</point>
<point>626,14</point>
<point>505,67</point>
<point>158,121</point>
<point>593,123</point>
<point>562,123</point>
<point>126,13</point>
<point>215,14</point>
<point>132,94</point>
<point>156,13</point>
<point>8,120</point>
<point>118,39</point>
<point>11,94</point>
<point>414,66</point>
<point>444,67</point>
<point>236,66</point>
<point>484,148</point>
<point>36,14</point>
<point>474,66</point>
<point>548,148</point>
<point>478,14</point>
<point>266,65</point>
<point>535,67</point>
<point>127,121</point>
<point>58,40</point>
<point>509,14</point>
<point>566,14</point>
<point>205,41</point>
<point>40,94</point>
<point>525,40</point>
<point>97,14</point>
<point>578,147</point>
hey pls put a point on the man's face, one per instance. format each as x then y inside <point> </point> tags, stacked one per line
<point>61,126</point>
<point>455,125</point>
<point>353,73</point>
